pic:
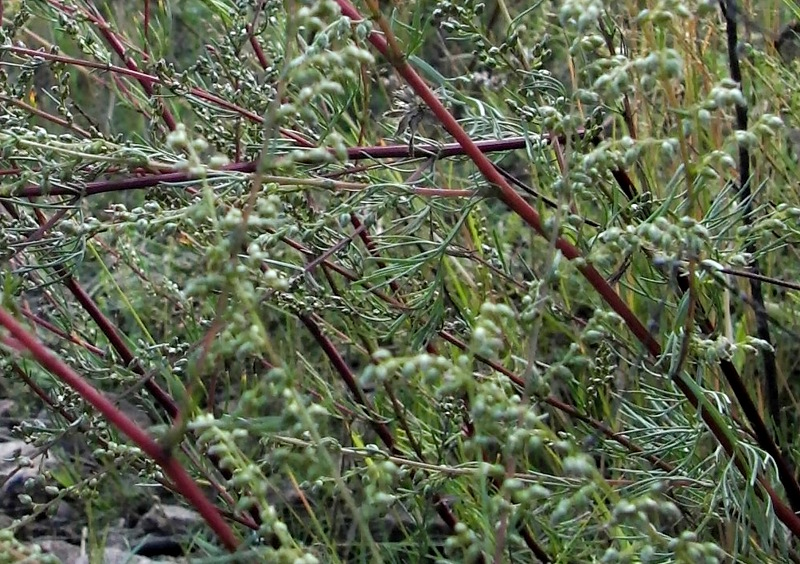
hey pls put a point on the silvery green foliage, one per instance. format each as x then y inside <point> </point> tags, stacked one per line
<point>582,14</point>
<point>215,278</point>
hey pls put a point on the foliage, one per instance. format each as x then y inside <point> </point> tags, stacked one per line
<point>254,222</point>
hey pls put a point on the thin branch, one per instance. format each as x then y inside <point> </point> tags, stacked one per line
<point>517,204</point>
<point>729,12</point>
<point>172,467</point>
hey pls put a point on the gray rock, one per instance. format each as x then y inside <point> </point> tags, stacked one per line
<point>13,477</point>
<point>169,520</point>
<point>72,554</point>
<point>115,556</point>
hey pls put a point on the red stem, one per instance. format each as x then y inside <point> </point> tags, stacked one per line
<point>172,467</point>
<point>148,180</point>
<point>517,204</point>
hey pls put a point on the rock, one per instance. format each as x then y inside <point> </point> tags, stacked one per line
<point>72,554</point>
<point>169,520</point>
<point>7,406</point>
<point>65,513</point>
<point>788,42</point>
<point>62,550</point>
<point>156,546</point>
<point>11,550</point>
<point>136,413</point>
<point>9,450</point>
<point>115,556</point>
<point>13,477</point>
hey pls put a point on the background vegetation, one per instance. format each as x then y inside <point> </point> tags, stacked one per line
<point>408,280</point>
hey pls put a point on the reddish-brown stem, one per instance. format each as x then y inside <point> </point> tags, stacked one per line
<point>56,331</point>
<point>108,329</point>
<point>141,77</point>
<point>251,36</point>
<point>519,206</point>
<point>171,466</point>
<point>146,25</point>
<point>380,428</point>
<point>149,180</point>
<point>47,116</point>
<point>116,44</point>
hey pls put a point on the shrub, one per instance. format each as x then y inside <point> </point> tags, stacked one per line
<point>445,280</point>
